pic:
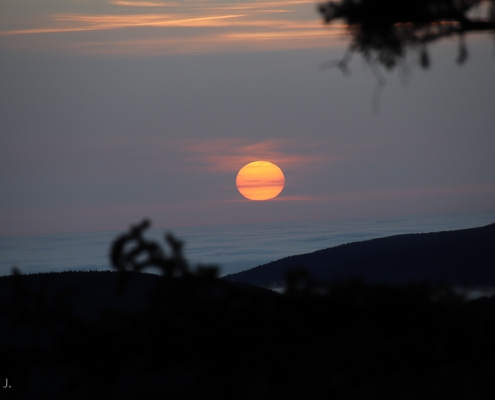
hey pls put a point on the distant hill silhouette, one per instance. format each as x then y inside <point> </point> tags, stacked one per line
<point>463,258</point>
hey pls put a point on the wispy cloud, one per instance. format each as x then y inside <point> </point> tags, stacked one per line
<point>202,4</point>
<point>197,26</point>
<point>232,154</point>
<point>144,3</point>
<point>281,35</point>
<point>78,23</point>
<point>282,198</point>
<point>105,22</point>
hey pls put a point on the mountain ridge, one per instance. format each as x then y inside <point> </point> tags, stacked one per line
<point>463,257</point>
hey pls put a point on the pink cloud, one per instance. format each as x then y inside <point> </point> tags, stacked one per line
<point>232,154</point>
<point>159,28</point>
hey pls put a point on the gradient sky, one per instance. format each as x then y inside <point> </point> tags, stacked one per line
<point>111,111</point>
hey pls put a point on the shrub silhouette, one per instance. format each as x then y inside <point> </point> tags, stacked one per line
<point>198,336</point>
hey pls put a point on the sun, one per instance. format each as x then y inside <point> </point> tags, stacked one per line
<point>260,180</point>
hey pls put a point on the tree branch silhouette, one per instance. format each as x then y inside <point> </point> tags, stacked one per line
<point>385,29</point>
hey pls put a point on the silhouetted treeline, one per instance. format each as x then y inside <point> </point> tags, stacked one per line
<point>194,336</point>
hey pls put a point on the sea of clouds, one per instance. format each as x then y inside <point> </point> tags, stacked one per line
<point>232,247</point>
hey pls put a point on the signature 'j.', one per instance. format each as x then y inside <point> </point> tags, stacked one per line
<point>6,384</point>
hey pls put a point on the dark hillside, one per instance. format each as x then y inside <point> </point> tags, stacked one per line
<point>188,335</point>
<point>203,338</point>
<point>88,294</point>
<point>463,257</point>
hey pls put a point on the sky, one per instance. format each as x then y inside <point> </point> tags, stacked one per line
<point>113,111</point>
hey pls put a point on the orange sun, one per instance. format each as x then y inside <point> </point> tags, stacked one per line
<point>260,180</point>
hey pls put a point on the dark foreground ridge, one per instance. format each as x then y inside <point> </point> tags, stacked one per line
<point>188,335</point>
<point>461,258</point>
